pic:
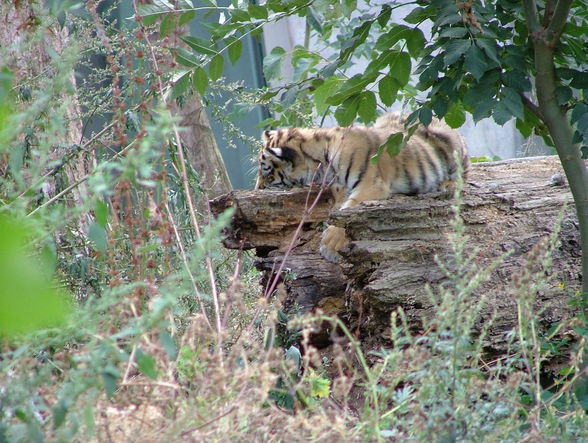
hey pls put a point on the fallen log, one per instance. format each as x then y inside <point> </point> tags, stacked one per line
<point>507,206</point>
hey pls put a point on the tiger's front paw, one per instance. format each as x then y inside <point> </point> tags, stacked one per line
<point>333,240</point>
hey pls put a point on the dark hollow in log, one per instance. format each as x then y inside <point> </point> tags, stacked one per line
<point>507,206</point>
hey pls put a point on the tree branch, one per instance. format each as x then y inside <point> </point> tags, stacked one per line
<point>531,15</point>
<point>548,12</point>
<point>532,107</point>
<point>558,20</point>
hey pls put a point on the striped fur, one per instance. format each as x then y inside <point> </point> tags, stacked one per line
<point>340,158</point>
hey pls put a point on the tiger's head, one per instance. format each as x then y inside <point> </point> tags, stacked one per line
<point>281,163</point>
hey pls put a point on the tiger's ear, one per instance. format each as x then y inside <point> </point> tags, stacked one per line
<point>284,154</point>
<point>267,135</point>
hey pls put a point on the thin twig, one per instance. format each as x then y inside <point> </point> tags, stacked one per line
<point>231,292</point>
<point>218,417</point>
<point>187,265</point>
<point>152,383</point>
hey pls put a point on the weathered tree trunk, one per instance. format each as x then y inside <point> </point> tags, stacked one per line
<point>508,206</point>
<point>200,144</point>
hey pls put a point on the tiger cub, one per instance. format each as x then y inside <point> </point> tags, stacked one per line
<point>341,158</point>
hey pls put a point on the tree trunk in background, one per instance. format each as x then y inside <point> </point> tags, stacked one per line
<point>508,206</point>
<point>201,148</point>
<point>27,59</point>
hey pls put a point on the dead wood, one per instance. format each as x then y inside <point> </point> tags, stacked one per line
<point>507,206</point>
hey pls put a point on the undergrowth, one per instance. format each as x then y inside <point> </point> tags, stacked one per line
<point>129,321</point>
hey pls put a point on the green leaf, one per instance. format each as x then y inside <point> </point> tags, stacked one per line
<point>28,298</point>
<point>353,86</point>
<point>384,15</point>
<point>367,107</point>
<point>580,80</point>
<point>480,92</point>
<point>181,85</point>
<point>415,42</point>
<point>146,365</point>
<point>187,17</point>
<point>360,33</point>
<point>186,58</point>
<point>329,70</point>
<point>101,213</point>
<point>528,124</point>
<point>97,234</point>
<point>430,74</point>
<point>475,62</point>
<point>388,89</point>
<point>349,7</point>
<point>440,105</point>
<point>515,61</point>
<point>579,110</point>
<point>289,96</point>
<point>513,102</point>
<point>313,20</point>
<point>199,45</point>
<point>256,11</point>
<point>49,257</point>
<point>417,16</point>
<point>59,412</point>
<point>454,49</point>
<point>216,66</point>
<point>235,50</point>
<point>501,113</point>
<point>167,25</point>
<point>303,61</point>
<point>455,117</point>
<point>393,36</point>
<point>394,143</point>
<point>272,63</point>
<point>448,16</point>
<point>319,386</point>
<point>582,127</point>
<point>563,95</point>
<point>400,67</point>
<point>454,32</point>
<point>326,90</point>
<point>169,344</point>
<point>149,13</point>
<point>109,378</point>
<point>425,116</point>
<point>346,112</point>
<point>239,16</point>
<point>518,80</point>
<point>483,109</point>
<point>293,354</point>
<point>489,48</point>
<point>200,80</point>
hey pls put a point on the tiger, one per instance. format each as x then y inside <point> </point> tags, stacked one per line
<point>341,157</point>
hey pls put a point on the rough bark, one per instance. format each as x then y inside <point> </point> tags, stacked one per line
<point>507,206</point>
